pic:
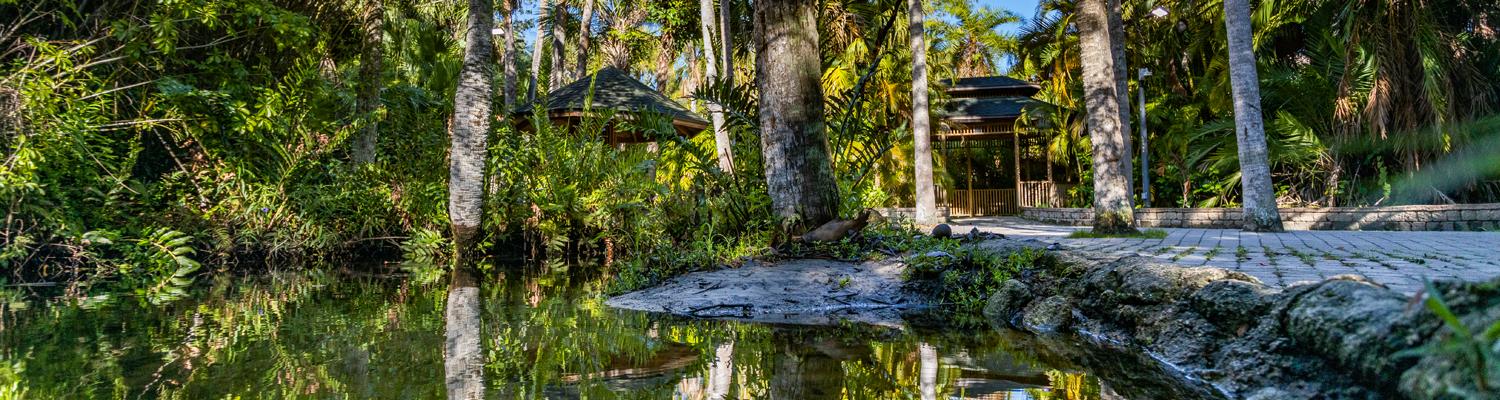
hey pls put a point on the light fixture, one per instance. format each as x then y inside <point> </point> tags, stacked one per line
<point>1160,12</point>
<point>497,31</point>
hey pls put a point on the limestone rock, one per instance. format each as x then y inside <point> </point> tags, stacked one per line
<point>1051,314</point>
<point>942,231</point>
<point>1006,302</point>
<point>1230,304</point>
<point>1355,324</point>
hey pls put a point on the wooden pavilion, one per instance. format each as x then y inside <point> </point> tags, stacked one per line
<point>611,90</point>
<point>977,133</point>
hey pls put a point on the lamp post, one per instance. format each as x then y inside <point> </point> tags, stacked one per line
<point>1145,145</point>
<point>1140,81</point>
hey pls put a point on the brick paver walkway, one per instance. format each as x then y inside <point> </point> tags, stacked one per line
<point>1400,260</point>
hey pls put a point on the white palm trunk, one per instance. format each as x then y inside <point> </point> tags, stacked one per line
<point>1260,213</point>
<point>921,124</point>
<point>722,143</point>
<point>1114,212</point>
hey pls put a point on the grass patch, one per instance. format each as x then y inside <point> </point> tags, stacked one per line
<point>1146,234</point>
<point>1212,252</point>
<point>1241,254</point>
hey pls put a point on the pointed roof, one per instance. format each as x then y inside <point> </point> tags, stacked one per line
<point>987,86</point>
<point>615,89</point>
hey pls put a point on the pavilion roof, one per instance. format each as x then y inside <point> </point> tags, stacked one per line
<point>614,89</point>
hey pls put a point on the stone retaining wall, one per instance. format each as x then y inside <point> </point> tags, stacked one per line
<point>1461,217</point>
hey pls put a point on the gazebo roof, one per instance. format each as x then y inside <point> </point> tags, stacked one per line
<point>614,89</point>
<point>986,86</point>
<point>985,109</point>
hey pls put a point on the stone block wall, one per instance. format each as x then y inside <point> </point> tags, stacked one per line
<point>1459,217</point>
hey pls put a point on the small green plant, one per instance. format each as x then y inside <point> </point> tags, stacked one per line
<point>1305,257</point>
<point>1145,234</point>
<point>1241,254</point>
<point>1209,256</point>
<point>1185,252</point>
<point>843,282</point>
<point>1475,352</point>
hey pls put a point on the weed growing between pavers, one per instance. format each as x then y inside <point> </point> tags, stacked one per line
<point>1184,253</point>
<point>1241,254</point>
<point>1209,256</point>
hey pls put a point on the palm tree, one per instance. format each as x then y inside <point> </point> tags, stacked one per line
<point>537,46</point>
<point>1260,210</point>
<point>1113,209</point>
<point>970,41</point>
<point>920,124</point>
<point>585,36</point>
<point>471,125</point>
<point>370,81</point>
<point>721,135</point>
<point>799,174</point>
<point>508,54</point>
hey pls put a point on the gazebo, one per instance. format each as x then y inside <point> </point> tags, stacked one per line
<point>613,90</point>
<point>977,133</point>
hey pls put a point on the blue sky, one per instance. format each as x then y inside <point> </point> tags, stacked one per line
<point>1024,8</point>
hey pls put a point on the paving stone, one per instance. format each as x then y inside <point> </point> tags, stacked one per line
<point>1471,256</point>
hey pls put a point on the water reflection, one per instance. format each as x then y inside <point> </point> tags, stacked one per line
<point>310,335</point>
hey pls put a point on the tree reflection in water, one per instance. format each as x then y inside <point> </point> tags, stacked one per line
<point>518,335</point>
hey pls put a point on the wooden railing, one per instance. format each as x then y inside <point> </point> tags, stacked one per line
<point>977,202</point>
<point>1043,194</point>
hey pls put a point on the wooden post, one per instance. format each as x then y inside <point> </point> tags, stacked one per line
<point>1016,147</point>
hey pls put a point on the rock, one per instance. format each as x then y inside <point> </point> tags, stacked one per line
<point>942,231</point>
<point>938,254</point>
<point>1357,325</point>
<point>837,230</point>
<point>1054,246</point>
<point>1139,280</point>
<point>1230,304</point>
<point>1006,302</point>
<point>1049,315</point>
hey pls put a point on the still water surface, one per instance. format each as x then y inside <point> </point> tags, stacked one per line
<point>338,335</point>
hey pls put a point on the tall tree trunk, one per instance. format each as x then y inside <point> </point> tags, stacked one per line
<point>537,49</point>
<point>726,40</point>
<point>721,135</point>
<point>921,124</point>
<point>558,67</point>
<point>1113,210</point>
<point>1122,88</point>
<point>471,125</point>
<point>799,174</point>
<point>1260,213</point>
<point>463,349</point>
<point>370,69</point>
<point>508,55</point>
<point>585,37</point>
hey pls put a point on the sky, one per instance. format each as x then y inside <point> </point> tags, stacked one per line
<point>1024,8</point>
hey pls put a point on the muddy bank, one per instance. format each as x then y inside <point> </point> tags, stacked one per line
<point>1343,338</point>
<point>798,291</point>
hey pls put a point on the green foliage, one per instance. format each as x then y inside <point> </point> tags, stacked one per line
<point>965,279</point>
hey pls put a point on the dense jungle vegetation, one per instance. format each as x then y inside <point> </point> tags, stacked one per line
<point>142,140</point>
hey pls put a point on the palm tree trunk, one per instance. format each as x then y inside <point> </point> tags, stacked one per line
<point>370,69</point>
<point>471,125</point>
<point>1122,87</point>
<point>1260,213</point>
<point>926,212</point>
<point>1113,210</point>
<point>585,36</point>
<point>536,50</point>
<point>508,55</point>
<point>799,174</point>
<point>558,68</point>
<point>726,41</point>
<point>721,135</point>
<point>463,348</point>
